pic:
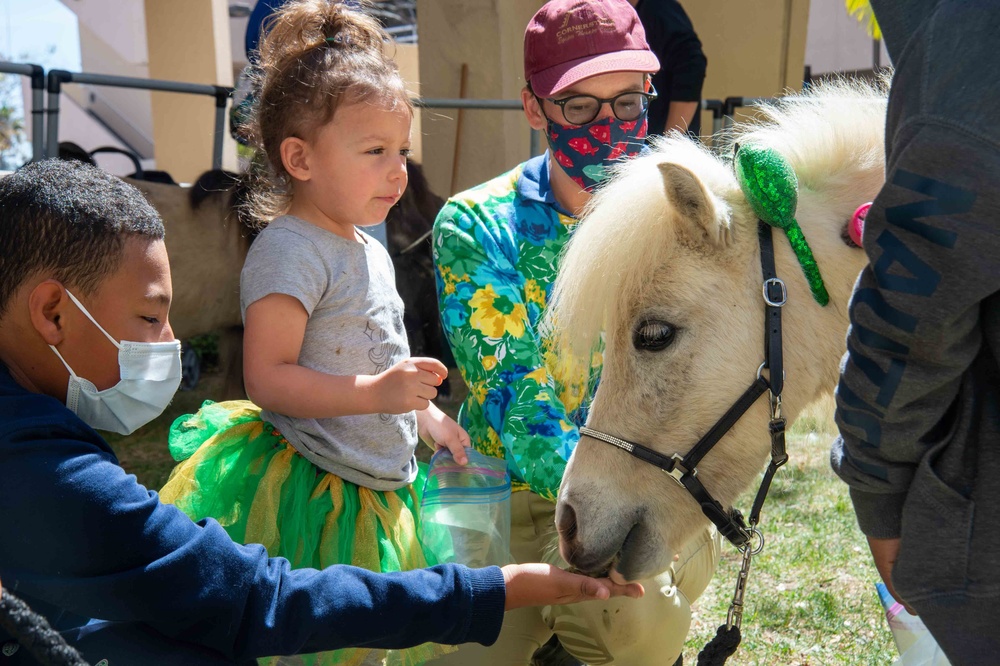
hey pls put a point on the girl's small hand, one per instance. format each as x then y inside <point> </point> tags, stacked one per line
<point>408,386</point>
<point>440,431</point>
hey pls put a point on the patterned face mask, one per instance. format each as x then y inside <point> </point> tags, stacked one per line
<point>585,152</point>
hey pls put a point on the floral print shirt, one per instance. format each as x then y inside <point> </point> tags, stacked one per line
<point>496,250</point>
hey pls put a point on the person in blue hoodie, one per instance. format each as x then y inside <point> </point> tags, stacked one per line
<point>918,404</point>
<point>86,345</point>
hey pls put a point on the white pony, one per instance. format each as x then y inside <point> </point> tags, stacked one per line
<point>667,266</point>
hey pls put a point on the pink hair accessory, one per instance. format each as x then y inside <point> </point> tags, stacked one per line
<point>857,225</point>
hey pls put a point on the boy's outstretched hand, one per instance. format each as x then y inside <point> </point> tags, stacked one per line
<point>544,585</point>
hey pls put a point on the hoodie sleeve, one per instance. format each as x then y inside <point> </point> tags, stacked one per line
<point>931,237</point>
<point>82,535</point>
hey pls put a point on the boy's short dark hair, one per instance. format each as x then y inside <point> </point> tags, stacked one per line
<point>71,219</point>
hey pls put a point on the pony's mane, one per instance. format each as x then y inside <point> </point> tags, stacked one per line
<point>827,134</point>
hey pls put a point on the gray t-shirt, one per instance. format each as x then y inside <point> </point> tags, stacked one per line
<point>355,327</point>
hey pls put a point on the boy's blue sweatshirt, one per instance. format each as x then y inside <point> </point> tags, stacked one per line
<point>81,539</point>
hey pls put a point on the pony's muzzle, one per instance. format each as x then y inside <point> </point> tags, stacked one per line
<point>570,547</point>
<point>566,522</point>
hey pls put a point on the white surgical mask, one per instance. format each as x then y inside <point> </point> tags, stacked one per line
<point>150,375</point>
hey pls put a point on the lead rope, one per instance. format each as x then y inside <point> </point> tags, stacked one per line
<point>33,632</point>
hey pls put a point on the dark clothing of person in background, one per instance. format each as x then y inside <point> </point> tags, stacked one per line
<point>682,63</point>
<point>255,26</point>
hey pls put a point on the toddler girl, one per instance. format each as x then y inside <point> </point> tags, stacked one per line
<point>320,467</point>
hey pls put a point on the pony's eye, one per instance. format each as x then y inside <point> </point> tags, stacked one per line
<point>653,335</point>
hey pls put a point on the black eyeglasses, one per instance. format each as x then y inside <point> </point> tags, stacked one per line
<point>583,109</point>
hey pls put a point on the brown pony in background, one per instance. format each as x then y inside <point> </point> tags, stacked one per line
<point>408,231</point>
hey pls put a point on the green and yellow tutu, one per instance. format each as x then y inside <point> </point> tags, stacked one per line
<point>239,470</point>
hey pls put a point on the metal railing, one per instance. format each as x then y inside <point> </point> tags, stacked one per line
<point>37,75</point>
<point>721,111</point>
<point>57,78</point>
<point>730,104</point>
<point>45,117</point>
<point>535,139</point>
<point>715,106</point>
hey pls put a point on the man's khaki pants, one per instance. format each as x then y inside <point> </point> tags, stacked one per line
<point>621,631</point>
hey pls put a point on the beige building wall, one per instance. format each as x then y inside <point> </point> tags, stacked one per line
<point>486,35</point>
<point>127,111</point>
<point>754,49</point>
<point>408,59</point>
<point>188,41</point>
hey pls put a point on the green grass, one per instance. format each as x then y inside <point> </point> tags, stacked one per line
<point>144,452</point>
<point>810,597</point>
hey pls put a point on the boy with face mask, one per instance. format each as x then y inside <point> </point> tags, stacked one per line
<point>85,343</point>
<point>497,246</point>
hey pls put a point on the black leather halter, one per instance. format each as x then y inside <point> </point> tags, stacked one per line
<point>684,469</point>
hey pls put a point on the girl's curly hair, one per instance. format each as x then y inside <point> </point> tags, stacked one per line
<point>315,56</point>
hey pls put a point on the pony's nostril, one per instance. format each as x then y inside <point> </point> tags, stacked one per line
<point>566,523</point>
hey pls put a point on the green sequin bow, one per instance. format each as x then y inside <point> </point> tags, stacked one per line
<point>770,185</point>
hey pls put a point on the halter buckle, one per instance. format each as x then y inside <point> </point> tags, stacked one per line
<point>782,292</point>
<point>679,471</point>
<point>775,402</point>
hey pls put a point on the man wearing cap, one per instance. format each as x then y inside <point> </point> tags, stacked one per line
<point>587,67</point>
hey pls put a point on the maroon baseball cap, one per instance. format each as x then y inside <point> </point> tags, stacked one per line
<point>570,40</point>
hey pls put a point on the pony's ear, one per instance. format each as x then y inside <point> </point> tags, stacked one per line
<point>695,205</point>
